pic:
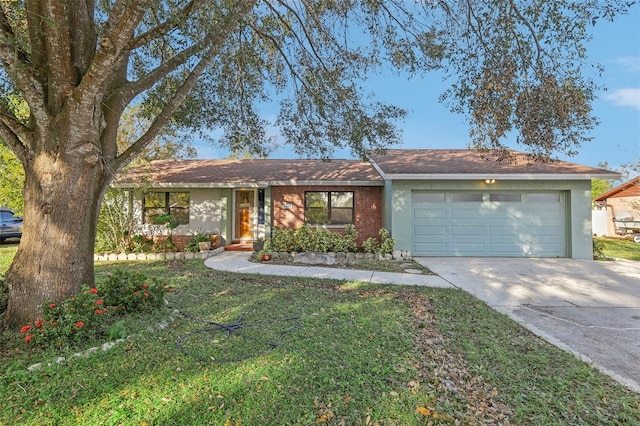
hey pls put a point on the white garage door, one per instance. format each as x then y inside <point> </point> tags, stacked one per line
<point>509,224</point>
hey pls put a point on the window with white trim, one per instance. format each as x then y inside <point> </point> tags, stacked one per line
<point>173,204</point>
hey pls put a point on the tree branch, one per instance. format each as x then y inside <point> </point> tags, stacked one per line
<point>215,41</point>
<point>164,28</point>
<point>16,64</point>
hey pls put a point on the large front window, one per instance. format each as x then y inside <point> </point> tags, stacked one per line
<point>328,207</point>
<point>173,204</point>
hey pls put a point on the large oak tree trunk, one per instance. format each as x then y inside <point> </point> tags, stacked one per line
<point>63,192</point>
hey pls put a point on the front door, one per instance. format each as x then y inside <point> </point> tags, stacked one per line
<point>244,214</point>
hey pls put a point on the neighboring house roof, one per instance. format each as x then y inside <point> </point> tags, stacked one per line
<point>627,189</point>
<point>459,164</point>
<point>250,173</point>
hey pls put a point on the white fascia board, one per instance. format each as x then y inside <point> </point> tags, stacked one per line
<point>325,183</point>
<point>499,176</point>
<point>190,185</point>
<point>249,185</point>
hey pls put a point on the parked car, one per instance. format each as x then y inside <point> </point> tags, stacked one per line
<point>10,225</point>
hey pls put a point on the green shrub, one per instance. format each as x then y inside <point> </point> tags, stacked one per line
<point>371,245</point>
<point>283,240</point>
<point>384,245</point>
<point>91,313</point>
<point>349,239</point>
<point>140,244</point>
<point>598,251</point>
<point>322,240</point>
<point>164,246</point>
<point>77,319</point>
<point>304,239</point>
<point>114,222</point>
<point>387,244</point>
<point>132,292</point>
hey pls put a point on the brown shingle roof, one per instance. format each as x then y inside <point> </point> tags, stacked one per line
<point>467,164</point>
<point>250,172</point>
<point>394,164</point>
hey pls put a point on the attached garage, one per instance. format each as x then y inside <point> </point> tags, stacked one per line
<point>461,202</point>
<point>485,223</point>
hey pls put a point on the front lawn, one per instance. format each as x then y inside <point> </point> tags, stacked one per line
<point>259,350</point>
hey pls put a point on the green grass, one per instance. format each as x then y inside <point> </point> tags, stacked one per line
<point>311,352</point>
<point>8,249</point>
<point>620,248</point>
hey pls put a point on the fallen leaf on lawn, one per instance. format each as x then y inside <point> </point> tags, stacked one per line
<point>326,418</point>
<point>424,411</point>
<point>347,399</point>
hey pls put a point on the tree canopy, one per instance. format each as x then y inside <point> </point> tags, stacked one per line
<point>517,66</point>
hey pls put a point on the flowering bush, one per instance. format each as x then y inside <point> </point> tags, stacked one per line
<point>91,312</point>
<point>132,292</point>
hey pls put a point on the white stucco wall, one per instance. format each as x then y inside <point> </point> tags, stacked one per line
<point>205,210</point>
<point>207,213</point>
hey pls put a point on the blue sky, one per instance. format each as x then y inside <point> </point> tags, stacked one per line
<point>430,124</point>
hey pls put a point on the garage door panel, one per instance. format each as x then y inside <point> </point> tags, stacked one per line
<point>467,231</point>
<point>508,226</point>
<point>430,214</point>
<point>468,249</point>
<point>467,213</point>
<point>429,230</point>
<point>431,249</point>
<point>504,249</point>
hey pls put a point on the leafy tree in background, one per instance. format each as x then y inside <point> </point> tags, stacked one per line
<point>11,170</point>
<point>199,65</point>
<point>11,179</point>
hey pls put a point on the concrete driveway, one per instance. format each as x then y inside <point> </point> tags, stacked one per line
<point>589,308</point>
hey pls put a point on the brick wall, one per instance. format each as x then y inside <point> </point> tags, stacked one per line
<point>367,207</point>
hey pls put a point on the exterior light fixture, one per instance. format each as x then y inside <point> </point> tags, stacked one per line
<point>489,181</point>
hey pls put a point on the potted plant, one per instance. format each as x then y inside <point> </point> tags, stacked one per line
<point>265,255</point>
<point>199,242</point>
<point>258,245</point>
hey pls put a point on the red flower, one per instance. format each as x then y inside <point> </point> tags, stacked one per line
<point>99,301</point>
<point>55,324</point>
<point>146,294</point>
<point>145,285</point>
<point>98,311</point>
<point>28,337</point>
<point>52,305</point>
<point>79,324</point>
<point>25,329</point>
<point>94,290</point>
<point>39,323</point>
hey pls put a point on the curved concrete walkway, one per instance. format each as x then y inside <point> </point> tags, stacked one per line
<point>591,309</point>
<point>239,262</point>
